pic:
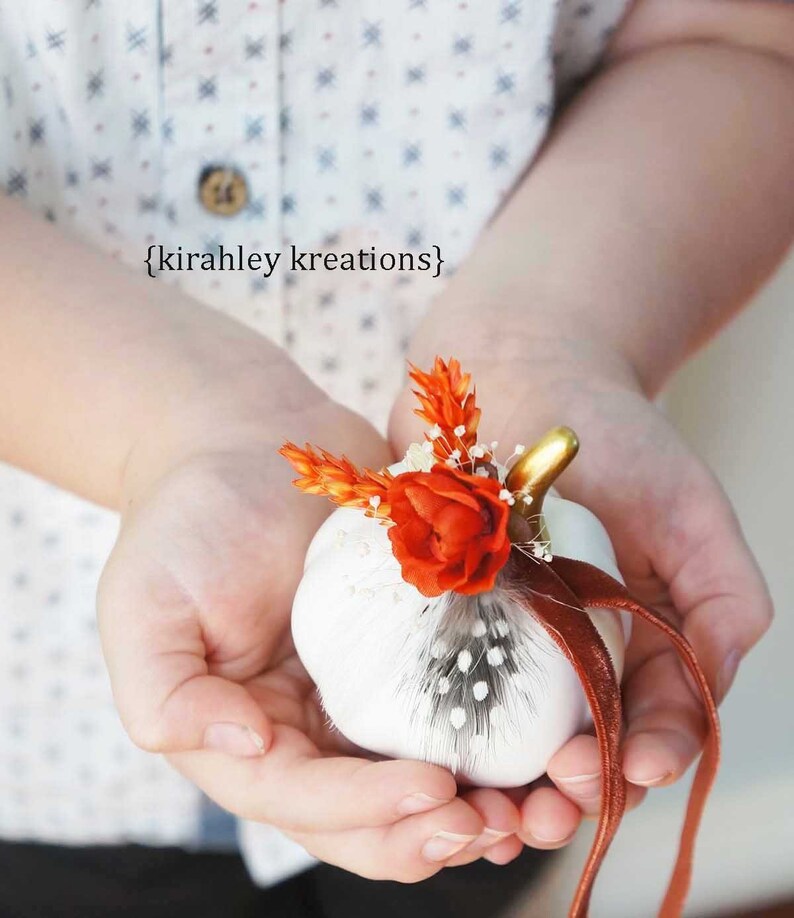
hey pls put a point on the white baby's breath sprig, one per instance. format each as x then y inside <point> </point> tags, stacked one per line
<point>507,497</point>
<point>419,457</point>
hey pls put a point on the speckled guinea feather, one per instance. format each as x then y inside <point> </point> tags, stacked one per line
<point>475,671</point>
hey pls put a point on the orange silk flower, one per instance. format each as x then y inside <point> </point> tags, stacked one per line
<point>450,530</point>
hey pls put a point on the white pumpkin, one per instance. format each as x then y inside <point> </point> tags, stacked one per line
<point>471,683</point>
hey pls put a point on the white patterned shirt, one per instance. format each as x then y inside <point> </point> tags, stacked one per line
<point>351,124</point>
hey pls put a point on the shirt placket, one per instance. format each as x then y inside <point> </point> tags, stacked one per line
<point>221,157</point>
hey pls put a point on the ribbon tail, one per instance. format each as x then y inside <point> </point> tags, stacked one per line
<point>593,587</point>
<point>553,604</point>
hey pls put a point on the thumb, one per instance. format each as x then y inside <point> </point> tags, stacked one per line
<point>720,594</point>
<point>156,657</point>
<point>718,589</point>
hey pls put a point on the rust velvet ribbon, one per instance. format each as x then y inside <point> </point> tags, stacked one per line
<point>557,594</point>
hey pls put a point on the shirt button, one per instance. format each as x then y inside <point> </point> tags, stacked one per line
<point>223,190</point>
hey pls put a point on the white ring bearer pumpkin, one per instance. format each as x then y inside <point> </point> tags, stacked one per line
<point>470,682</point>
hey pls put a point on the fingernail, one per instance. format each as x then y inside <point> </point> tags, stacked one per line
<point>553,841</point>
<point>653,782</point>
<point>727,673</point>
<point>491,837</point>
<point>444,845</point>
<point>419,803</point>
<point>577,779</point>
<point>654,757</point>
<point>233,739</point>
<point>583,787</point>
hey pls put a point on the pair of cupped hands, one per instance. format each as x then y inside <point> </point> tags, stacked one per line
<point>194,609</point>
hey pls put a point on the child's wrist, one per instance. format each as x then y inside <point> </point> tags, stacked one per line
<point>553,377</point>
<point>482,313</point>
<point>223,411</point>
<point>253,409</point>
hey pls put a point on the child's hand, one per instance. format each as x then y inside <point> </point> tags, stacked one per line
<point>194,611</point>
<point>678,544</point>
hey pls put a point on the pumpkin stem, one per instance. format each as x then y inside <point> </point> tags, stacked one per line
<point>537,469</point>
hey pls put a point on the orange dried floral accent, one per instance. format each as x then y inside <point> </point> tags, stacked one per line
<point>338,479</point>
<point>448,406</point>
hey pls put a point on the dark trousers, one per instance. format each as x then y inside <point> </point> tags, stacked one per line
<point>43,881</point>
